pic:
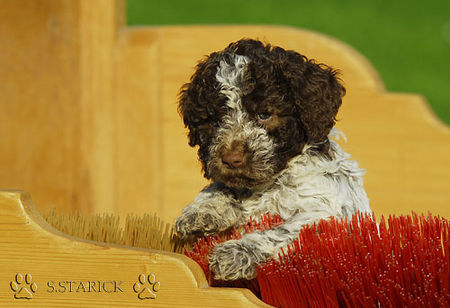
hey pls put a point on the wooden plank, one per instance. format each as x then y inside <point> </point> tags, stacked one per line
<point>138,131</point>
<point>40,149</point>
<point>98,30</point>
<point>56,70</point>
<point>68,272</point>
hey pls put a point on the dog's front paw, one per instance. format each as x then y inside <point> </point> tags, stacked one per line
<point>235,259</point>
<point>195,223</point>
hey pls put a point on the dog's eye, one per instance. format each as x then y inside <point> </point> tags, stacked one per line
<point>263,116</point>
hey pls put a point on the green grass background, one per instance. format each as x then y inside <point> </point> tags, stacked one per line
<point>407,41</point>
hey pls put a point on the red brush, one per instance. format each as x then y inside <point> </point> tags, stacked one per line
<point>203,246</point>
<point>353,263</point>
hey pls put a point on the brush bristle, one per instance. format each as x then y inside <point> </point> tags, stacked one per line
<point>148,231</point>
<point>355,263</point>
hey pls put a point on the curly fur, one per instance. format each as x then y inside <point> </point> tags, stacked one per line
<point>272,112</point>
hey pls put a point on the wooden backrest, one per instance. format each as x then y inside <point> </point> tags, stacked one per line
<point>89,115</point>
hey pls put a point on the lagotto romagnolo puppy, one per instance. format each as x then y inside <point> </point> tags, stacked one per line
<point>262,117</point>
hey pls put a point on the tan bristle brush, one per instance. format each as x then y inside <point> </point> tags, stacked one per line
<point>147,231</point>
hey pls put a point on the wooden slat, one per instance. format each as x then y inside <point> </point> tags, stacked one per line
<point>56,74</point>
<point>29,246</point>
<point>139,138</point>
<point>39,92</point>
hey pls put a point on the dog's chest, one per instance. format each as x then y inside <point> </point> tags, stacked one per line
<point>312,184</point>
<point>290,199</point>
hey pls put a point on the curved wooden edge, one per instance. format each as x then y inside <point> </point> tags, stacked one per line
<point>404,148</point>
<point>357,71</point>
<point>71,272</point>
<point>422,107</point>
<point>356,68</point>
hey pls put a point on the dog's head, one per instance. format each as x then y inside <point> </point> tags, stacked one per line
<point>252,107</point>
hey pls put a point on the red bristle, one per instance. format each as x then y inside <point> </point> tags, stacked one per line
<point>390,266</point>
<point>402,261</point>
<point>203,246</point>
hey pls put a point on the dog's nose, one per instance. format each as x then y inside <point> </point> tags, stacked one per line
<point>233,159</point>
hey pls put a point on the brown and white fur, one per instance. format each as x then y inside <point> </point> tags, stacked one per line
<point>262,117</point>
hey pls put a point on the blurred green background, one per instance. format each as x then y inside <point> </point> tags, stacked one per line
<point>407,41</point>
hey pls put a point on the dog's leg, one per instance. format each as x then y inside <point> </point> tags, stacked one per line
<point>213,210</point>
<point>236,259</point>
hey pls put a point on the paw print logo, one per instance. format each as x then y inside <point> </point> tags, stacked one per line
<point>23,286</point>
<point>146,286</point>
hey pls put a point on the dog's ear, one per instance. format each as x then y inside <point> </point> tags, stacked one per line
<point>316,93</point>
<point>196,98</point>
<point>187,107</point>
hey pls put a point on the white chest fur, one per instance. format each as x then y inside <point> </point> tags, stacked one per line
<point>313,184</point>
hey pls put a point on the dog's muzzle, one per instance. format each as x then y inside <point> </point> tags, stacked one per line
<point>241,155</point>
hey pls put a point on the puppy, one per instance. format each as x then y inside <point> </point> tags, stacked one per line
<point>261,117</point>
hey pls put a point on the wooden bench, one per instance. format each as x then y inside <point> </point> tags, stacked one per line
<point>89,123</point>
